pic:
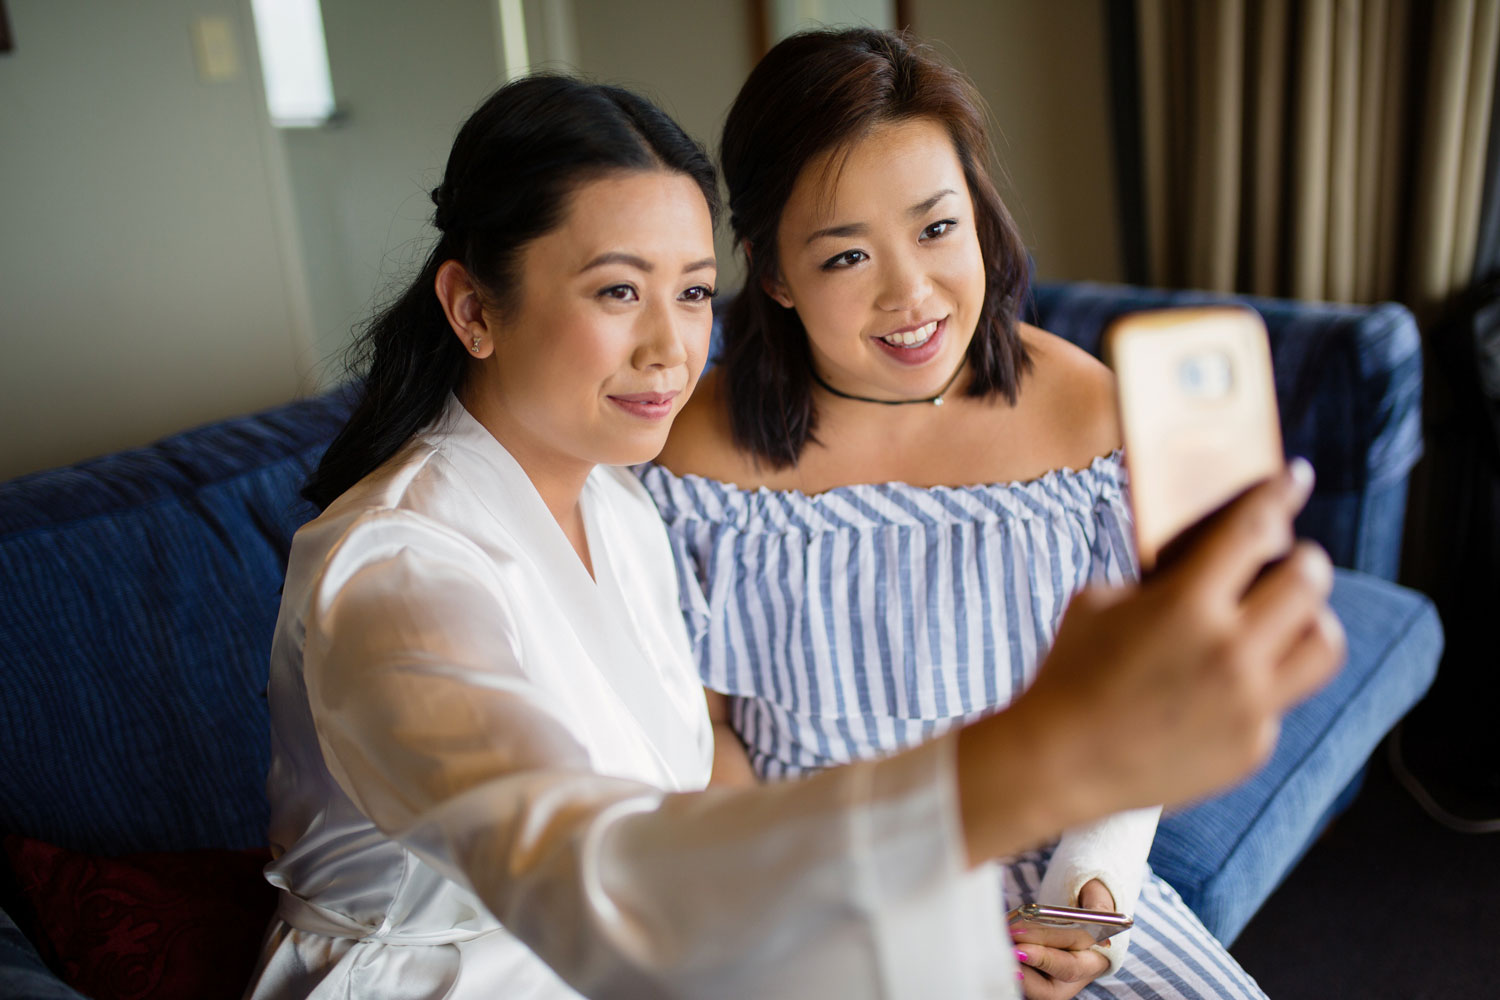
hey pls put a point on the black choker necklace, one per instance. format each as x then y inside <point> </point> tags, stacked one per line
<point>934,400</point>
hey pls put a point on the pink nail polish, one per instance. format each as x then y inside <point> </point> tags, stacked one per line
<point>1020,955</point>
<point>1021,977</point>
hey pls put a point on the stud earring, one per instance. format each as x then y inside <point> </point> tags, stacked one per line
<point>475,347</point>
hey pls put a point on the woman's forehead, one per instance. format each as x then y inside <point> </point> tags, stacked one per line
<point>890,168</point>
<point>656,215</point>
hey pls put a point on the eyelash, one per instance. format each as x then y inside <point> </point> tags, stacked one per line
<point>844,260</point>
<point>841,261</point>
<point>704,293</point>
<point>948,226</point>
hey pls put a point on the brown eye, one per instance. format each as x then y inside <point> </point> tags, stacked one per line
<point>938,229</point>
<point>846,259</point>
<point>620,293</point>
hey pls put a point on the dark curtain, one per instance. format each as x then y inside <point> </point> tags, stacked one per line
<point>1451,741</point>
<point>1348,150</point>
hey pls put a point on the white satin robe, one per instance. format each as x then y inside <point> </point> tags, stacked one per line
<point>486,773</point>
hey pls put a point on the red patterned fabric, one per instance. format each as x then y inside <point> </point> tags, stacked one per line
<point>147,926</point>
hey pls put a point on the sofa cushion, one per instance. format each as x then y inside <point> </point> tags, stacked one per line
<point>161,926</point>
<point>138,594</point>
<point>1226,855</point>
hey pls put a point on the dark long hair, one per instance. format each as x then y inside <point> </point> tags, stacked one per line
<point>823,91</point>
<point>513,167</point>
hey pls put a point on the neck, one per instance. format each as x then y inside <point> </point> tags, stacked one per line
<point>935,400</point>
<point>559,482</point>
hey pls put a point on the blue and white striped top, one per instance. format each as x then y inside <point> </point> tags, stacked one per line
<point>863,620</point>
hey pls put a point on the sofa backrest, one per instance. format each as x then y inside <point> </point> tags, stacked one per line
<point>138,595</point>
<point>1349,386</point>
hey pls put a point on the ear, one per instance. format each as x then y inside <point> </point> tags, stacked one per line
<point>459,297</point>
<point>776,288</point>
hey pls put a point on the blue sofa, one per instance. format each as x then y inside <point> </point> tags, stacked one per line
<point>138,593</point>
<point>1349,388</point>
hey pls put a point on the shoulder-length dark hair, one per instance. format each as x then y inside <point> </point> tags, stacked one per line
<point>512,169</point>
<point>818,92</point>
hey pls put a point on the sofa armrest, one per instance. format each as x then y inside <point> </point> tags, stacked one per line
<point>1349,385</point>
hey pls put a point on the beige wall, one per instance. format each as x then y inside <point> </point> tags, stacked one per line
<point>1041,64</point>
<point>140,281</point>
<point>408,75</point>
<point>690,57</point>
<point>167,260</point>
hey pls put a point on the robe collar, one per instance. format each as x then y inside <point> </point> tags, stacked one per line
<point>598,607</point>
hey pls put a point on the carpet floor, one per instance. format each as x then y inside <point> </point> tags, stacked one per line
<point>1387,904</point>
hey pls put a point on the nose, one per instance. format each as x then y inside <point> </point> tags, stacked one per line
<point>904,284</point>
<point>662,339</point>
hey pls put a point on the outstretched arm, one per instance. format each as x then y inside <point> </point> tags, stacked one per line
<point>438,727</point>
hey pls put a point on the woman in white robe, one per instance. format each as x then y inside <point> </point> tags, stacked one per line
<point>489,744</point>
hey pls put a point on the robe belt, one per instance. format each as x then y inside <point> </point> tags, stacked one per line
<point>314,919</point>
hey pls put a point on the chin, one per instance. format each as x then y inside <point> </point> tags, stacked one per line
<point>632,452</point>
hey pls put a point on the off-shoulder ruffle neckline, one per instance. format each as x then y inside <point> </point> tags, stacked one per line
<point>1059,492</point>
<point>1108,469</point>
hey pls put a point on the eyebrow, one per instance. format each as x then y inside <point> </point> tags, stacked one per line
<point>922,208</point>
<point>860,228</point>
<point>640,263</point>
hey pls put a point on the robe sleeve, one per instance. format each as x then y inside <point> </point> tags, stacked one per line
<point>851,883</point>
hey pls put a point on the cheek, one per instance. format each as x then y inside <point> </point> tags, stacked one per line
<point>832,305</point>
<point>964,274</point>
<point>587,347</point>
<point>969,259</point>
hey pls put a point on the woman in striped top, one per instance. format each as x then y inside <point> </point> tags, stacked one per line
<point>887,492</point>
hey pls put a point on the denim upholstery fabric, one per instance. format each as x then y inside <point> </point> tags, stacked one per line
<point>1349,385</point>
<point>138,593</point>
<point>23,976</point>
<point>1225,855</point>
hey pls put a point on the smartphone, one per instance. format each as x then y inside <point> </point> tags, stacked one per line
<point>1198,414</point>
<point>1101,925</point>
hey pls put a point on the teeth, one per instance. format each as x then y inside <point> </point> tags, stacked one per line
<point>911,338</point>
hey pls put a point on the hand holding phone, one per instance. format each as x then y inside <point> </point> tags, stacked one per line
<point>1100,925</point>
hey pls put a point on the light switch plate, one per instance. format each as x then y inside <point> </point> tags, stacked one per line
<point>213,46</point>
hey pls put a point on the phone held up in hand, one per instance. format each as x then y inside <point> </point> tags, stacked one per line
<point>1198,414</point>
<point>1101,925</point>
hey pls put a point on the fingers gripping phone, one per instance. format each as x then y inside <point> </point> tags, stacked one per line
<point>1101,925</point>
<point>1198,413</point>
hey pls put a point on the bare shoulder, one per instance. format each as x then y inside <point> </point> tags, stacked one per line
<point>1074,393</point>
<point>700,442</point>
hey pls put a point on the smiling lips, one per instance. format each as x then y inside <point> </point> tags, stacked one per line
<point>647,405</point>
<point>912,338</point>
<point>915,345</point>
